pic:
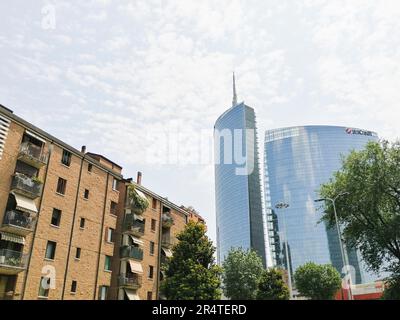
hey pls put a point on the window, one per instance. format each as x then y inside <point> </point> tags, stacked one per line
<point>151,272</point>
<point>115,184</point>
<point>152,245</point>
<point>103,293</point>
<point>149,295</point>
<point>56,217</point>
<point>154,203</point>
<point>78,253</point>
<point>44,286</point>
<point>113,208</point>
<point>66,158</point>
<point>107,263</point>
<point>50,250</point>
<point>89,167</point>
<point>82,223</point>
<point>110,235</point>
<point>61,185</point>
<point>74,284</point>
<point>86,194</point>
<point>153,225</point>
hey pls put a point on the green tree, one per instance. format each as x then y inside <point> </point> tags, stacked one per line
<point>242,271</point>
<point>370,212</point>
<point>316,281</point>
<point>272,286</point>
<point>392,291</point>
<point>191,273</point>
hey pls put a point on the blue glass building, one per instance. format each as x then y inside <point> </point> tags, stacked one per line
<point>297,160</point>
<point>238,196</point>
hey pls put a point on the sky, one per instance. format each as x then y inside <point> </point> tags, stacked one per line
<point>142,82</point>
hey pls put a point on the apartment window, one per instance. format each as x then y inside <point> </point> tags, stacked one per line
<point>152,245</point>
<point>86,194</point>
<point>149,295</point>
<point>90,167</point>
<point>51,250</point>
<point>153,224</point>
<point>56,217</point>
<point>115,184</point>
<point>103,292</point>
<point>44,286</point>
<point>82,223</point>
<point>66,158</point>
<point>78,253</point>
<point>107,263</point>
<point>61,186</point>
<point>74,284</point>
<point>113,208</point>
<point>154,203</point>
<point>110,235</point>
<point>151,272</point>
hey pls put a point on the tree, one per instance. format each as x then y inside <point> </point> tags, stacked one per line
<point>272,286</point>
<point>392,291</point>
<point>370,212</point>
<point>316,281</point>
<point>242,271</point>
<point>191,273</point>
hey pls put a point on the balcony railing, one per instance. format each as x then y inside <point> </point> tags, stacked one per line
<point>133,281</point>
<point>131,252</point>
<point>18,223</point>
<point>133,225</point>
<point>167,220</point>
<point>32,155</point>
<point>12,262</point>
<point>167,241</point>
<point>26,185</point>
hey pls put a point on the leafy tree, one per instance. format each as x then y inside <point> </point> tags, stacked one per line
<point>191,273</point>
<point>392,292</point>
<point>242,271</point>
<point>370,212</point>
<point>316,281</point>
<point>272,286</point>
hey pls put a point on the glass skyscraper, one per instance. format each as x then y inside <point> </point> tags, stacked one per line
<point>297,160</point>
<point>238,196</point>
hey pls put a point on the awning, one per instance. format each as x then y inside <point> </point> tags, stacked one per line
<point>141,194</point>
<point>25,204</point>
<point>168,253</point>
<point>136,240</point>
<point>136,267</point>
<point>132,295</point>
<point>137,217</point>
<point>35,136</point>
<point>12,237</point>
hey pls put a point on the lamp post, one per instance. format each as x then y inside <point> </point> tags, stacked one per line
<point>345,259</point>
<point>282,205</point>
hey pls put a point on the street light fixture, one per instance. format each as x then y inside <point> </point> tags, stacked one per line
<point>282,205</point>
<point>345,260</point>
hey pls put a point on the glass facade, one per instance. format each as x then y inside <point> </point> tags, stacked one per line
<point>239,206</point>
<point>297,160</point>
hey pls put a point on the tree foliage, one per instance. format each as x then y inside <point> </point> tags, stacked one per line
<point>317,282</point>
<point>242,271</point>
<point>370,212</point>
<point>191,273</point>
<point>272,286</point>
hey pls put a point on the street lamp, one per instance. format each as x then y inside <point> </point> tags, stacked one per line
<point>345,260</point>
<point>282,205</point>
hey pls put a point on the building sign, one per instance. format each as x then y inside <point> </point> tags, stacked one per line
<point>359,131</point>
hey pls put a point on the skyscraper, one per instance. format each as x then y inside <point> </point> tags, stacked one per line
<point>239,207</point>
<point>297,161</point>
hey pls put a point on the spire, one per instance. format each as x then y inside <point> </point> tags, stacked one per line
<point>234,100</point>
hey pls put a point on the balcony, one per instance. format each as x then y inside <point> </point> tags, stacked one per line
<point>26,186</point>
<point>131,252</point>
<point>167,241</point>
<point>18,223</point>
<point>32,155</point>
<point>133,225</point>
<point>167,220</point>
<point>132,281</point>
<point>12,262</point>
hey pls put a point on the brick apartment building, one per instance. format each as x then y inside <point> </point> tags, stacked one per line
<point>67,230</point>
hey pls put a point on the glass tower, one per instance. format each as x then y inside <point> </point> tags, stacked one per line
<point>239,206</point>
<point>297,160</point>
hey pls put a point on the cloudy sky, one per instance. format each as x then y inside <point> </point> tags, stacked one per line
<point>126,78</point>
